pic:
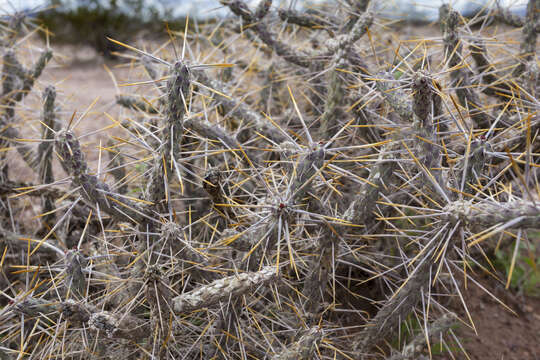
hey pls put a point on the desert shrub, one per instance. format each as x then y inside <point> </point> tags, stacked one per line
<point>92,21</point>
<point>285,185</point>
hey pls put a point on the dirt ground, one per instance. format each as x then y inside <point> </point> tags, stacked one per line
<point>81,79</point>
<point>500,335</point>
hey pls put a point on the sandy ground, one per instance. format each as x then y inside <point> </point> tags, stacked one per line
<point>83,84</point>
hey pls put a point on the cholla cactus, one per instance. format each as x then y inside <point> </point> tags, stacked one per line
<point>223,289</point>
<point>324,169</point>
<point>302,349</point>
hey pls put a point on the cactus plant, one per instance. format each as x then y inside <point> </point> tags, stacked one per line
<point>242,218</point>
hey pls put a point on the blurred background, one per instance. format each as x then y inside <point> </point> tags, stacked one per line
<point>90,21</point>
